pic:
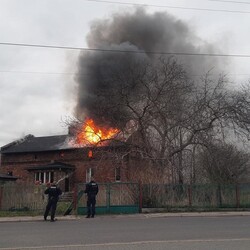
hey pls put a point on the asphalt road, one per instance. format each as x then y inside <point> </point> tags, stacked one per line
<point>129,232</point>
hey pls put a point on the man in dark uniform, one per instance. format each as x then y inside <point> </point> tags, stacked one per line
<point>53,192</point>
<point>91,191</point>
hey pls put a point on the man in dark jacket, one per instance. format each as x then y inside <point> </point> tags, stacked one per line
<point>53,192</point>
<point>91,191</point>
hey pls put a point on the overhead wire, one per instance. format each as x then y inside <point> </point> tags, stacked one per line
<point>76,74</point>
<point>37,72</point>
<point>227,1</point>
<point>169,6</point>
<point>130,51</point>
<point>125,51</point>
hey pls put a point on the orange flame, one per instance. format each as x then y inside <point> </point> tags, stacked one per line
<point>91,134</point>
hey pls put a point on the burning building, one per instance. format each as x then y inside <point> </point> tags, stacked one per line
<point>87,150</point>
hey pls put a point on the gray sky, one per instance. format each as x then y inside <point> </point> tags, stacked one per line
<point>37,84</point>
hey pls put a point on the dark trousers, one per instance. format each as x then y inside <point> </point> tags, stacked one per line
<point>51,206</point>
<point>91,206</point>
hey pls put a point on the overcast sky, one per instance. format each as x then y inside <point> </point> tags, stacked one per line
<point>37,84</point>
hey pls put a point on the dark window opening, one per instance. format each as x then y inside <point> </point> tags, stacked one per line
<point>51,176</point>
<point>117,174</point>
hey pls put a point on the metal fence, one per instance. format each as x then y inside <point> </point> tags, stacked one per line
<point>26,198</point>
<point>203,196</point>
<point>112,198</point>
<point>130,197</point>
<point>18,197</point>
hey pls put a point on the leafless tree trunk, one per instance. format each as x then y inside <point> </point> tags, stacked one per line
<point>172,112</point>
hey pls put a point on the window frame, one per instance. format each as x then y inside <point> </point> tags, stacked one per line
<point>44,176</point>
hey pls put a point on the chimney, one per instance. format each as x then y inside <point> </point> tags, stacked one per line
<point>72,130</point>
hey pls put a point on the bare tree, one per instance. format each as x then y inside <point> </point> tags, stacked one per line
<point>171,112</point>
<point>224,163</point>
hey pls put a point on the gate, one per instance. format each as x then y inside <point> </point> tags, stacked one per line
<point>112,198</point>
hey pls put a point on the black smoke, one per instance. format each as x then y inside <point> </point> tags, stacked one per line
<point>98,90</point>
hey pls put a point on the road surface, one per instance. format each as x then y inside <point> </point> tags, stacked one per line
<point>129,232</point>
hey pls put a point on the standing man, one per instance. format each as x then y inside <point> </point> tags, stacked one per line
<point>91,191</point>
<point>54,192</point>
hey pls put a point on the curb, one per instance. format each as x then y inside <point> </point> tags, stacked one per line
<point>144,215</point>
<point>34,218</point>
<point>198,214</point>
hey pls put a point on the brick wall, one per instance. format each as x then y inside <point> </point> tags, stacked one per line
<point>103,163</point>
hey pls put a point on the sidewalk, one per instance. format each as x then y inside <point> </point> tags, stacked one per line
<point>199,214</point>
<point>145,215</point>
<point>35,218</point>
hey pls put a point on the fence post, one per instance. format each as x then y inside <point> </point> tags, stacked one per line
<point>219,198</point>
<point>140,197</point>
<point>189,196</point>
<point>108,197</point>
<point>237,196</point>
<point>1,195</point>
<point>75,198</point>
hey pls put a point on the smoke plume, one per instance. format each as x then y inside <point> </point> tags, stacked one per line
<point>139,32</point>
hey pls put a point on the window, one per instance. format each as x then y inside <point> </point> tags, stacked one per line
<point>118,173</point>
<point>89,173</point>
<point>90,154</point>
<point>44,177</point>
<point>36,177</point>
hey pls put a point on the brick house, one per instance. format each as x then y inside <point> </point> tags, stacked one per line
<point>53,158</point>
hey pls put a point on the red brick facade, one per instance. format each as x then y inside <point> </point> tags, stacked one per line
<point>106,164</point>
